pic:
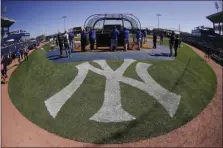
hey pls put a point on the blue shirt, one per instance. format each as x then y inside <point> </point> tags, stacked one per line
<point>71,36</point>
<point>17,52</point>
<point>92,35</point>
<point>161,36</point>
<point>83,34</point>
<point>126,34</point>
<point>145,33</point>
<point>114,34</point>
<point>138,34</point>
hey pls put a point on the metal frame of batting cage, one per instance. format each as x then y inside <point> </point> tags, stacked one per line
<point>92,20</point>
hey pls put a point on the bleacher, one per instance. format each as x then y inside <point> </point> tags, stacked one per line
<point>12,46</point>
<point>12,41</point>
<point>207,44</point>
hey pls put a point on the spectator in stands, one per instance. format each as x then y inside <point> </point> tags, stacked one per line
<point>92,36</point>
<point>26,52</point>
<point>126,39</point>
<point>139,38</point>
<point>144,36</point>
<point>9,58</point>
<point>66,44</point>
<point>83,39</point>
<point>171,43</point>
<point>5,64</point>
<point>71,40</point>
<point>10,55</point>
<point>154,40</point>
<point>18,54</point>
<point>60,42</point>
<point>13,55</point>
<point>176,45</point>
<point>161,38</point>
<point>22,52</point>
<point>3,71</point>
<point>114,38</point>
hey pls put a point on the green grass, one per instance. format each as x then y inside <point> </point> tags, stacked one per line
<point>77,38</point>
<point>38,79</point>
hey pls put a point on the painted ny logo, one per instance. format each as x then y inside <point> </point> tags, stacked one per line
<point>111,110</point>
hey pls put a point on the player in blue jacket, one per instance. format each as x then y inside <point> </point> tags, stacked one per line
<point>114,38</point>
<point>92,36</point>
<point>17,49</point>
<point>126,38</point>
<point>139,38</point>
<point>71,40</point>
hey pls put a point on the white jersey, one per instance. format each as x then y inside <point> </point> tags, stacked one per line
<point>26,49</point>
<point>67,37</point>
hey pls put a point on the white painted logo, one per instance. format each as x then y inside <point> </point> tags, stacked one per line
<point>111,110</point>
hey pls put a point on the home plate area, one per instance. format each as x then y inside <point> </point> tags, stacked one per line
<point>162,52</point>
<point>112,97</point>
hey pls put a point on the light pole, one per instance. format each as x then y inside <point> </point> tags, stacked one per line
<point>158,15</point>
<point>64,17</point>
<point>216,6</point>
<point>4,10</point>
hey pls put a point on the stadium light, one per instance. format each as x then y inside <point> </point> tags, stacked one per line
<point>4,10</point>
<point>216,6</point>
<point>64,17</point>
<point>158,15</point>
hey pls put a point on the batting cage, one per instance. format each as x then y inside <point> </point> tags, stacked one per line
<point>104,23</point>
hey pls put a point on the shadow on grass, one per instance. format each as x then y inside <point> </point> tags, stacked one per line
<point>119,134</point>
<point>56,57</point>
<point>159,55</point>
<point>181,76</point>
<point>52,56</point>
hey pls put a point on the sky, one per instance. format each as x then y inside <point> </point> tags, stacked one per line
<point>36,17</point>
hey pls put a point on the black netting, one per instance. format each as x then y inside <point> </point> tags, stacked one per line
<point>99,20</point>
